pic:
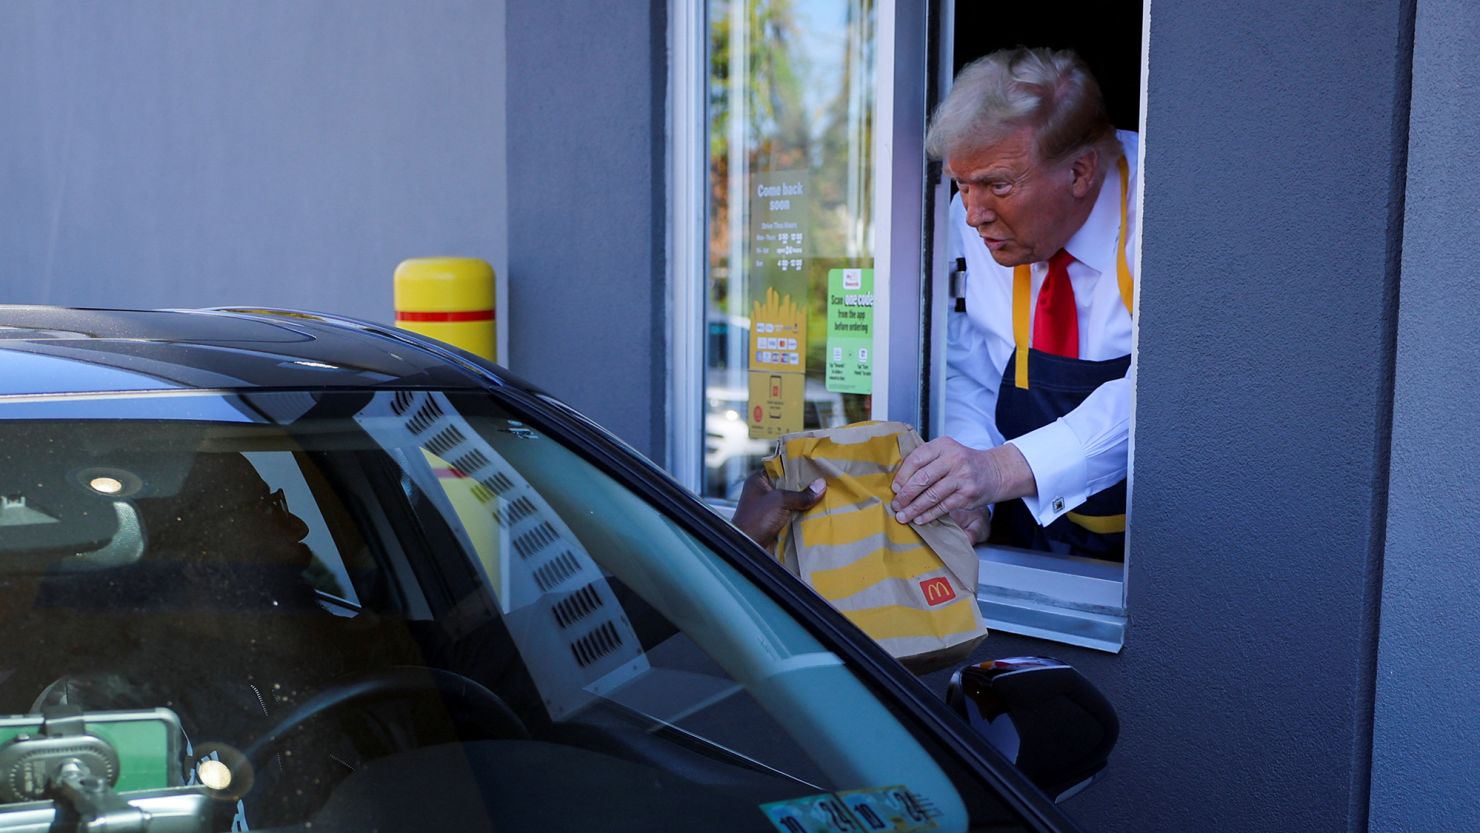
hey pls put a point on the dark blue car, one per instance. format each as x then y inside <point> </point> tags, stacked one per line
<point>273,570</point>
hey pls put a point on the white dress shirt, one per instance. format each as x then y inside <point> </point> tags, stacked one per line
<point>1084,451</point>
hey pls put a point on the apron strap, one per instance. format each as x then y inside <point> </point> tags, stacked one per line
<point>1022,283</point>
<point>1122,267</point>
<point>1022,286</point>
<point>1101,524</point>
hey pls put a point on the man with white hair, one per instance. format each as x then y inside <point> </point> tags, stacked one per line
<point>1037,403</point>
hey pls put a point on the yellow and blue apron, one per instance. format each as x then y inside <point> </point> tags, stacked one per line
<point>1038,388</point>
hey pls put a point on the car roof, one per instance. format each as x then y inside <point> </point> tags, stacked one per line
<point>60,350</point>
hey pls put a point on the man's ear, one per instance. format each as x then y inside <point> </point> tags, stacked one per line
<point>1084,169</point>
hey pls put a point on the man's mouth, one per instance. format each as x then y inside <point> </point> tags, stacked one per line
<point>994,243</point>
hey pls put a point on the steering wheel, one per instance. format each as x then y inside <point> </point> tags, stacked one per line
<point>470,703</point>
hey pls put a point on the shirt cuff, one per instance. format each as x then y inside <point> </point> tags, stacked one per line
<point>1057,461</point>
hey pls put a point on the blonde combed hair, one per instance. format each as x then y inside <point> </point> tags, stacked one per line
<point>1050,91</point>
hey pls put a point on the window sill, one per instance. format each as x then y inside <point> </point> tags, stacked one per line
<point>1076,601</point>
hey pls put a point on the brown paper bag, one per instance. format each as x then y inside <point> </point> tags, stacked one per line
<point>910,587</point>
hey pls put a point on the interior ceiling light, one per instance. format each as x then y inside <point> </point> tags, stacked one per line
<point>108,481</point>
<point>106,485</point>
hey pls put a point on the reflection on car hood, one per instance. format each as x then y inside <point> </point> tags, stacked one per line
<point>53,350</point>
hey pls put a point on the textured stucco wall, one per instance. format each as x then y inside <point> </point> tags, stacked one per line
<point>1427,735</point>
<point>587,124</point>
<point>1275,145</point>
<point>166,153</point>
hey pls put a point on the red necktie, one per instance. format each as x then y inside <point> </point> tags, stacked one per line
<point>1056,319</point>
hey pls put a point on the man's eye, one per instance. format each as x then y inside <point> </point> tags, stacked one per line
<point>1000,188</point>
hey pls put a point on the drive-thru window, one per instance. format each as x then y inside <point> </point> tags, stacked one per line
<point>809,234</point>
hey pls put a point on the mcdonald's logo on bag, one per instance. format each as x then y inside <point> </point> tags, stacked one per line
<point>937,590</point>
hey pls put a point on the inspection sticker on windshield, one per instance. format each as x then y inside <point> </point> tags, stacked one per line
<point>882,809</point>
<point>891,808</point>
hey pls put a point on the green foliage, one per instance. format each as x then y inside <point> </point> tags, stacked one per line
<point>805,100</point>
<point>788,125</point>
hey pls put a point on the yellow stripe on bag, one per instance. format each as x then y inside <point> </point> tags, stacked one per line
<point>883,451</point>
<point>880,565</point>
<point>832,468</point>
<point>1103,524</point>
<point>894,621</point>
<point>858,487</point>
<point>849,525</point>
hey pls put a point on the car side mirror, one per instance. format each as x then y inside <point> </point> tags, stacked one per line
<point>1043,716</point>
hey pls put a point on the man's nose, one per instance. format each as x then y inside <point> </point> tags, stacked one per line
<point>979,213</point>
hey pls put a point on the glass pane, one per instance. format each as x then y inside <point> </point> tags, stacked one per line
<point>790,235</point>
<point>515,639</point>
<point>326,571</point>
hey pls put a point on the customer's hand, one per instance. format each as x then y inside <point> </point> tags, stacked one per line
<point>764,509</point>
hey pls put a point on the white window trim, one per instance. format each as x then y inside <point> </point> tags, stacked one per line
<point>687,213</point>
<point>899,183</point>
<point>1076,601</point>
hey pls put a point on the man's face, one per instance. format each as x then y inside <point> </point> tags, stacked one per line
<point>1024,210</point>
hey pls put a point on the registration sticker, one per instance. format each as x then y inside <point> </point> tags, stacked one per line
<point>877,810</point>
<point>893,809</point>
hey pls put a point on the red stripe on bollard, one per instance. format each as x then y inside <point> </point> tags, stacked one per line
<point>464,315</point>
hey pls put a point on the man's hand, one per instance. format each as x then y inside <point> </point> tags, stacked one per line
<point>977,523</point>
<point>943,475</point>
<point>763,509</point>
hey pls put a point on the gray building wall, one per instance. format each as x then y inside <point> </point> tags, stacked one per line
<point>1276,137</point>
<point>291,154</point>
<point>1426,733</point>
<point>588,197</point>
<point>161,153</point>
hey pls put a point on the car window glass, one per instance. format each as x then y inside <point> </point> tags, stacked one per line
<point>326,572</point>
<point>533,646</point>
<point>552,532</point>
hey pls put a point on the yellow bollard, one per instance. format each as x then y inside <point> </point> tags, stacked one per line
<point>449,299</point>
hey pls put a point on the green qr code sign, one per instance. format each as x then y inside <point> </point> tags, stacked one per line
<point>850,331</point>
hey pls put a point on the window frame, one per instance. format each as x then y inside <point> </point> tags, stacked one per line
<point>1073,601</point>
<point>686,226</point>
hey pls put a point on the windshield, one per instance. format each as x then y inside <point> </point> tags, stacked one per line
<point>403,610</point>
